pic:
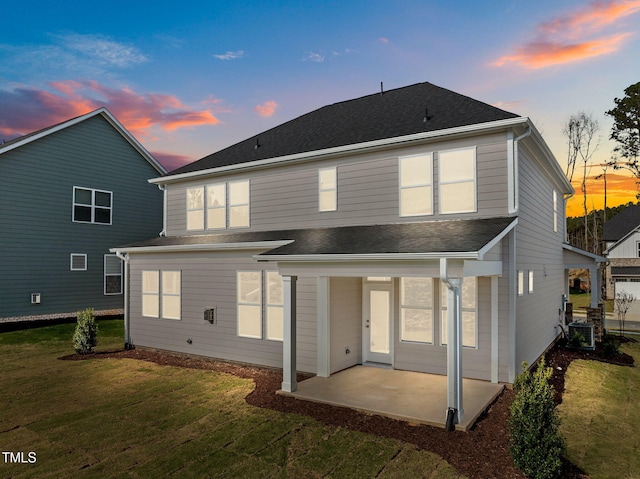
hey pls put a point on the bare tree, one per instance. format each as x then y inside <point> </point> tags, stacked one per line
<point>623,302</point>
<point>581,131</point>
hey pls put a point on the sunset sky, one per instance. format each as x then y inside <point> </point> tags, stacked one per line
<point>189,78</point>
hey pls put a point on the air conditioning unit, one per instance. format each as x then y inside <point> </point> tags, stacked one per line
<point>587,332</point>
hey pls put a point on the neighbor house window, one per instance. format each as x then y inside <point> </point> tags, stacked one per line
<point>112,274</point>
<point>249,298</point>
<point>275,306</point>
<point>457,174</point>
<point>520,283</point>
<point>78,262</point>
<point>555,211</point>
<point>92,206</point>
<point>638,248</point>
<point>469,302</point>
<point>530,281</point>
<point>217,206</point>
<point>328,189</point>
<point>416,185</point>
<point>161,293</point>
<point>239,204</point>
<point>416,310</point>
<point>195,208</point>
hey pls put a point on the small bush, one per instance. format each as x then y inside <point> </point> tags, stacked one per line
<point>610,346</point>
<point>577,340</point>
<point>85,337</point>
<point>536,445</point>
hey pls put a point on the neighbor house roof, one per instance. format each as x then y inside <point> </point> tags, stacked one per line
<point>463,238</point>
<point>36,135</point>
<point>410,110</point>
<point>621,224</point>
<point>625,270</point>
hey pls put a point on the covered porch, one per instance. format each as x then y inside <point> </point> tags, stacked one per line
<point>417,398</point>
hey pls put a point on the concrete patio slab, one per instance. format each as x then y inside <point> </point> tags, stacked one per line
<point>405,395</point>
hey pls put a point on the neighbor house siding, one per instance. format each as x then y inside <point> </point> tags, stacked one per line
<point>539,248</point>
<point>209,281</point>
<point>36,228</point>
<point>286,197</point>
<point>627,249</point>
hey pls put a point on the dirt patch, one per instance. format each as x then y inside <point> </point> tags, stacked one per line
<point>481,453</point>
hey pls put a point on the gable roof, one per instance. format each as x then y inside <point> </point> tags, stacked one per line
<point>409,110</point>
<point>622,224</point>
<point>36,135</point>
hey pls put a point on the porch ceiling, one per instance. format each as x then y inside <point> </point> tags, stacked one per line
<point>405,395</point>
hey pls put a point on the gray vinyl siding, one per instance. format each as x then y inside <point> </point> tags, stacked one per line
<point>345,323</point>
<point>627,249</point>
<point>538,248</point>
<point>286,197</point>
<point>209,281</point>
<point>36,229</point>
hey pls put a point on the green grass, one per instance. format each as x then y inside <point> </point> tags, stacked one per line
<point>583,300</point>
<point>123,418</point>
<point>600,417</point>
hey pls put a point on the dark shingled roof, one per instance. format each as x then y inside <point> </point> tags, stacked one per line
<point>621,224</point>
<point>625,270</point>
<point>394,113</point>
<point>455,236</point>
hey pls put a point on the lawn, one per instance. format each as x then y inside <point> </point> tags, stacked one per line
<point>582,300</point>
<point>125,418</point>
<point>600,417</point>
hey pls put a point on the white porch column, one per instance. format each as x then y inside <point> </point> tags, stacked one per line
<point>289,380</point>
<point>595,286</point>
<point>323,327</point>
<point>495,325</point>
<point>454,348</point>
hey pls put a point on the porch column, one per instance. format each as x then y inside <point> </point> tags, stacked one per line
<point>324,331</point>
<point>454,349</point>
<point>289,380</point>
<point>595,286</point>
<point>495,327</point>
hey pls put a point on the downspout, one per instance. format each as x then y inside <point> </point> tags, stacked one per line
<point>455,411</point>
<point>163,188</point>
<point>127,329</point>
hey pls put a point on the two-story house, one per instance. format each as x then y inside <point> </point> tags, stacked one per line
<point>68,193</point>
<point>416,228</point>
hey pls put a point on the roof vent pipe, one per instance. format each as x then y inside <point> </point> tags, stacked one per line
<point>381,88</point>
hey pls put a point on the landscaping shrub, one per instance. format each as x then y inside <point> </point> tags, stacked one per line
<point>85,337</point>
<point>535,444</point>
<point>610,346</point>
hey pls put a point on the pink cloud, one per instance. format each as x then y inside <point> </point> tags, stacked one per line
<point>267,109</point>
<point>24,110</point>
<point>574,36</point>
<point>171,161</point>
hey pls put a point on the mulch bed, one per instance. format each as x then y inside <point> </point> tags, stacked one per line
<point>481,453</point>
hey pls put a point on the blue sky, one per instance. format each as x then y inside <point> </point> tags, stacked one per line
<point>189,78</point>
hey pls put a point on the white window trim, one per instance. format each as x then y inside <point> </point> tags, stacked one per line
<point>150,294</point>
<point>321,190</point>
<point>230,204</point>
<point>421,185</point>
<point>270,306</point>
<point>555,211</point>
<point>188,210</point>
<point>423,308</point>
<point>164,294</point>
<point>93,206</point>
<point>160,294</point>
<point>72,256</point>
<point>106,275</point>
<point>239,303</point>
<point>530,286</point>
<point>224,207</point>
<point>475,181</point>
<point>443,307</point>
<point>520,282</point>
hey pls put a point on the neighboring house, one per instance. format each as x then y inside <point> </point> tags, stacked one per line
<point>354,233</point>
<point>621,235</point>
<point>68,193</point>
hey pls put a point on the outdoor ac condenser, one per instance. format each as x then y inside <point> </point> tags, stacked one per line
<point>587,332</point>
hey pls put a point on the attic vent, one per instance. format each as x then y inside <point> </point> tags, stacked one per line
<point>586,331</point>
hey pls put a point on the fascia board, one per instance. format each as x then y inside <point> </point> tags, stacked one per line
<point>202,247</point>
<point>482,251</point>
<point>595,257</point>
<point>353,148</point>
<point>338,258</point>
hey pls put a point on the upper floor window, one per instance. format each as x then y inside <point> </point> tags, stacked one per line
<point>239,204</point>
<point>217,206</point>
<point>328,189</point>
<point>416,185</point>
<point>92,206</point>
<point>555,211</point>
<point>457,174</point>
<point>469,303</point>
<point>195,208</point>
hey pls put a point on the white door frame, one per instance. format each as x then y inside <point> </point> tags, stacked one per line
<point>367,288</point>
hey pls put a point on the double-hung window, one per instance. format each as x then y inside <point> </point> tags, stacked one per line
<point>195,208</point>
<point>555,211</point>
<point>217,206</point>
<point>328,189</point>
<point>161,294</point>
<point>469,303</point>
<point>239,204</point>
<point>249,285</point>
<point>92,206</point>
<point>112,274</point>
<point>416,185</point>
<point>416,310</point>
<point>457,174</point>
<point>275,306</point>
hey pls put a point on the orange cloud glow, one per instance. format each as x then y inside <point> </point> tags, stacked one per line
<point>621,189</point>
<point>574,37</point>
<point>267,109</point>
